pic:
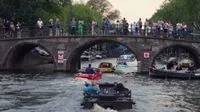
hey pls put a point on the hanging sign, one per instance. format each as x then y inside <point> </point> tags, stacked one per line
<point>60,56</point>
<point>146,55</point>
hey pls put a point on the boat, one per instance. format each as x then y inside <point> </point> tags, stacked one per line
<point>183,74</point>
<point>98,56</point>
<point>111,95</point>
<point>106,67</point>
<point>185,63</point>
<point>126,63</point>
<point>94,76</point>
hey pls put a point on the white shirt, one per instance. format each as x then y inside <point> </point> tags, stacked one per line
<point>40,23</point>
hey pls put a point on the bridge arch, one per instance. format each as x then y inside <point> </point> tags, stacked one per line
<point>17,52</point>
<point>74,57</point>
<point>190,49</point>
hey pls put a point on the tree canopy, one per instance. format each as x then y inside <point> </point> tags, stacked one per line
<point>105,8</point>
<point>28,11</point>
<point>186,11</point>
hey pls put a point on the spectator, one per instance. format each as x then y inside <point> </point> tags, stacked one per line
<point>12,29</point>
<point>117,27</point>
<point>7,28</point>
<point>51,27</point>
<point>106,26</point>
<point>93,27</point>
<point>40,26</point>
<point>57,27</point>
<point>1,28</point>
<point>140,25</point>
<point>18,29</point>
<point>73,26</point>
<point>80,27</point>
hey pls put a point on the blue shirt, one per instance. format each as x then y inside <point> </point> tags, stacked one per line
<point>91,89</point>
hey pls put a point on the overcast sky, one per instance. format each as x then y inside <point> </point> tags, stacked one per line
<point>132,10</point>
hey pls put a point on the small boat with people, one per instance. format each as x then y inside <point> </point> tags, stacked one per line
<point>126,63</point>
<point>107,95</point>
<point>94,76</point>
<point>175,70</point>
<point>89,73</point>
<point>106,67</point>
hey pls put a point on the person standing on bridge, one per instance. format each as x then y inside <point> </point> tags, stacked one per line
<point>73,26</point>
<point>51,27</point>
<point>40,25</point>
<point>106,26</point>
<point>80,27</point>
<point>93,27</point>
<point>18,29</point>
<point>57,27</point>
<point>140,26</point>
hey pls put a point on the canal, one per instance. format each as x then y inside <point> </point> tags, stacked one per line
<point>59,92</point>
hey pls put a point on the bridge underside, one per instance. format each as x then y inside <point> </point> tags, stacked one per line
<point>20,58</point>
<point>194,54</point>
<point>75,60</point>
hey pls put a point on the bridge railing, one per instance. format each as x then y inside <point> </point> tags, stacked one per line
<point>87,30</point>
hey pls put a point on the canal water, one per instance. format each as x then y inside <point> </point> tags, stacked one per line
<point>59,92</point>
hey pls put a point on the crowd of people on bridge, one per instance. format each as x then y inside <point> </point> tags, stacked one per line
<point>9,28</point>
<point>52,27</point>
<point>157,29</point>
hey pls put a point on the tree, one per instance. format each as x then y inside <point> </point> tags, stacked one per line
<point>83,12</point>
<point>105,8</point>
<point>180,11</point>
<point>28,11</point>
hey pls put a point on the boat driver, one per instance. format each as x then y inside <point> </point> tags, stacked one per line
<point>91,89</point>
<point>89,70</point>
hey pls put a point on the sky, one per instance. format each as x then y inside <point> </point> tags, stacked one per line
<point>132,10</point>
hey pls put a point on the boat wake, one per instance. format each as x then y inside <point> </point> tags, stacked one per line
<point>98,108</point>
<point>82,81</point>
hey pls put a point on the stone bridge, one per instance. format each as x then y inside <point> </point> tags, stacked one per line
<point>13,50</point>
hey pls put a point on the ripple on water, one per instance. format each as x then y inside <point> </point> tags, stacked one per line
<point>61,93</point>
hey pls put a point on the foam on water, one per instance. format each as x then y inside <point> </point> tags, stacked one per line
<point>98,108</point>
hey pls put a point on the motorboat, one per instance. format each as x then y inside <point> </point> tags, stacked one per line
<point>98,56</point>
<point>94,76</point>
<point>184,63</point>
<point>106,67</point>
<point>126,64</point>
<point>40,51</point>
<point>87,56</point>
<point>111,95</point>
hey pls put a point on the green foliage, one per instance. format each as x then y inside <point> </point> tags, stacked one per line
<point>104,7</point>
<point>28,11</point>
<point>180,11</point>
<point>83,12</point>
